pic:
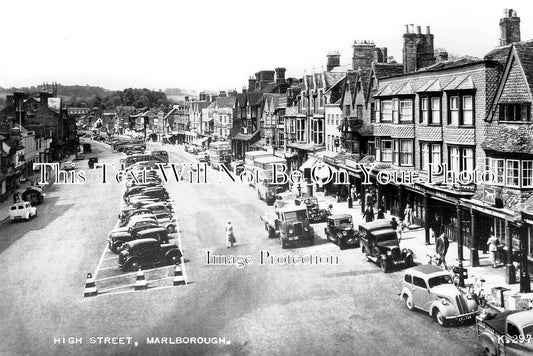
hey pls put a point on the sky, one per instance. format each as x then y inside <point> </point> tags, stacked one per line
<point>218,45</point>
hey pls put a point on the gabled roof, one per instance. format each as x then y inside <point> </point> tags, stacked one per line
<point>520,53</point>
<point>242,99</point>
<point>432,85</point>
<point>331,79</point>
<point>254,98</point>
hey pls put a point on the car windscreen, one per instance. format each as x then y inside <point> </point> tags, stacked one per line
<point>437,281</point>
<point>343,221</point>
<point>528,331</point>
<point>295,215</point>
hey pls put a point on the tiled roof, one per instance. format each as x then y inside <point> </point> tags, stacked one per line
<point>405,89</point>
<point>525,53</point>
<point>386,91</point>
<point>331,78</point>
<point>432,85</point>
<point>241,100</point>
<point>225,101</point>
<point>382,70</point>
<point>460,83</point>
<point>509,139</point>
<point>254,98</point>
<point>461,61</point>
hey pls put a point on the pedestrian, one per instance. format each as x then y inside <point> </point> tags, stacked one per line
<point>230,237</point>
<point>408,215</point>
<point>493,243</point>
<point>368,214</point>
<point>353,192</point>
<point>435,228</point>
<point>381,213</point>
<point>442,248</point>
<point>394,223</point>
<point>16,197</point>
<point>399,230</point>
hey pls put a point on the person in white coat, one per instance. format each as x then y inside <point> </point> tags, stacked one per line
<point>230,237</point>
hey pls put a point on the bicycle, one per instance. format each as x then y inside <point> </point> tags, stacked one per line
<point>475,288</point>
<point>435,260</point>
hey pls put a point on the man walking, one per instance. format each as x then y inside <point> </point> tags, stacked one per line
<point>442,248</point>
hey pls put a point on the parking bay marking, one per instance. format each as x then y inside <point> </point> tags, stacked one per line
<point>131,273</point>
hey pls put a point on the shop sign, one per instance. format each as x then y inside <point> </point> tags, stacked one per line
<point>489,195</point>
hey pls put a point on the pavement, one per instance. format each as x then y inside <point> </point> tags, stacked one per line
<point>414,239</point>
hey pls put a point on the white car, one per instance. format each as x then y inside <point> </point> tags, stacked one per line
<point>22,210</point>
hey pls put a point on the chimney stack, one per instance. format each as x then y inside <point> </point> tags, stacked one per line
<point>509,27</point>
<point>442,56</point>
<point>418,49</point>
<point>334,60</point>
<point>280,75</point>
<point>252,83</point>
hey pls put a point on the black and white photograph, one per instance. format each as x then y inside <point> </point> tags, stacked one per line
<point>266,178</point>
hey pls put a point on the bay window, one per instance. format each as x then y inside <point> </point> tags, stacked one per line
<point>461,109</point>
<point>406,110</point>
<point>406,152</point>
<point>424,108</point>
<point>431,153</point>
<point>386,111</point>
<point>395,109</point>
<point>513,173</point>
<point>386,150</point>
<point>527,174</point>
<point>435,110</point>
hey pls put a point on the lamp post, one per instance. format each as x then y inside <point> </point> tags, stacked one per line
<point>460,245</point>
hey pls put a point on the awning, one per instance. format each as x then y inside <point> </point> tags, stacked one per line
<point>308,164</point>
<point>258,144</point>
<point>243,137</point>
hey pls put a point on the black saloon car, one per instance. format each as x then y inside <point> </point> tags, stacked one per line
<point>147,252</point>
<point>339,228</point>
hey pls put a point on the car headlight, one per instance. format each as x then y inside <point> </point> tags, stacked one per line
<point>290,231</point>
<point>306,229</point>
<point>445,301</point>
<point>344,233</point>
<point>389,253</point>
<point>469,296</point>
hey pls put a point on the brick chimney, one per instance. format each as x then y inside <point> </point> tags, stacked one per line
<point>509,27</point>
<point>43,98</point>
<point>252,83</point>
<point>334,60</point>
<point>418,49</point>
<point>280,75</point>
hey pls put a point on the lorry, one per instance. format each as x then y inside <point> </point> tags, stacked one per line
<point>291,225</point>
<point>506,333</point>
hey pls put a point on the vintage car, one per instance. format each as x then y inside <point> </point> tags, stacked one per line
<point>339,228</point>
<point>379,243</point>
<point>147,252</point>
<point>115,241</point>
<point>22,211</point>
<point>124,219</point>
<point>430,288</point>
<point>156,208</point>
<point>128,235</point>
<point>136,221</point>
<point>291,225</point>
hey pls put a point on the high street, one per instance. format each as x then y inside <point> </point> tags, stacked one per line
<point>352,308</point>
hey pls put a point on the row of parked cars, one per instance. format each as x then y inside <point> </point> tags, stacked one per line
<point>141,238</point>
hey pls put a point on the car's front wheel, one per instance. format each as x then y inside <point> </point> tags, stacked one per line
<point>341,244</point>
<point>439,317</point>
<point>132,265</point>
<point>174,258</point>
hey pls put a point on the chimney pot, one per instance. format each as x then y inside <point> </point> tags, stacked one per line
<point>418,30</point>
<point>514,13</point>
<point>505,12</point>
<point>411,28</point>
<point>428,30</point>
<point>406,28</point>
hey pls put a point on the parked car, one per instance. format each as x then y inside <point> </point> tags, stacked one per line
<point>134,223</point>
<point>431,289</point>
<point>159,208</point>
<point>339,228</point>
<point>506,333</point>
<point>124,219</point>
<point>87,148</point>
<point>379,243</point>
<point>116,241</point>
<point>22,211</point>
<point>79,156</point>
<point>147,252</point>
<point>33,194</point>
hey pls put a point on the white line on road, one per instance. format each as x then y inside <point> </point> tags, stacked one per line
<point>99,263</point>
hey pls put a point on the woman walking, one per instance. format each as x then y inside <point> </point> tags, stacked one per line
<point>230,237</point>
<point>493,248</point>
